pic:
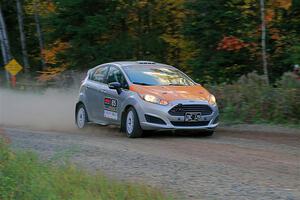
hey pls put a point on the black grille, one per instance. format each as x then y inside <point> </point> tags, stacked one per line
<point>154,120</point>
<point>202,123</point>
<point>180,109</point>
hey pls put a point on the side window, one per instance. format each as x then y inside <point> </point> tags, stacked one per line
<point>115,75</point>
<point>100,74</point>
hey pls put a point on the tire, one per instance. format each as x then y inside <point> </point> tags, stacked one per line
<point>81,117</point>
<point>132,124</point>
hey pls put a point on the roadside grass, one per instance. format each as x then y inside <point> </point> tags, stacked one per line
<point>251,101</point>
<point>24,176</point>
<point>231,122</point>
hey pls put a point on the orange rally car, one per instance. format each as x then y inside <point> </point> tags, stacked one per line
<point>145,95</point>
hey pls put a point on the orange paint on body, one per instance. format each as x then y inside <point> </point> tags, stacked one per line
<point>171,93</point>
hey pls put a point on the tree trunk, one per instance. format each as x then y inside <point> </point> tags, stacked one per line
<point>5,36</point>
<point>4,43</point>
<point>3,50</point>
<point>39,32</point>
<point>263,41</point>
<point>22,36</point>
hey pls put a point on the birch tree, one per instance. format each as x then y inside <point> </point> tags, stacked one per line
<point>263,41</point>
<point>5,48</point>
<point>4,38</point>
<point>39,30</point>
<point>22,36</point>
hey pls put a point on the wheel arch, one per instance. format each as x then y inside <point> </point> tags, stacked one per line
<point>131,101</point>
<point>123,116</point>
<point>76,109</point>
<point>136,131</point>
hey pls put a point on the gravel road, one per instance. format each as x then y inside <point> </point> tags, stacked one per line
<point>232,164</point>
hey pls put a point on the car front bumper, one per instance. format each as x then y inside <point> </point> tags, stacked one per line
<point>172,122</point>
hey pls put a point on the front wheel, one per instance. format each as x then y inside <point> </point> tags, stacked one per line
<point>81,117</point>
<point>132,124</point>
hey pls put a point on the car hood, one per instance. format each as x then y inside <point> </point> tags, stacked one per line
<point>172,93</point>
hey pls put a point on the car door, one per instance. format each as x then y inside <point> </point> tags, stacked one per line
<point>112,100</point>
<point>95,94</point>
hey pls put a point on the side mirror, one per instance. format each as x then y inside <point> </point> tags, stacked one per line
<point>115,86</point>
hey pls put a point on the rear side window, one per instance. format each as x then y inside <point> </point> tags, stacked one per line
<point>99,74</point>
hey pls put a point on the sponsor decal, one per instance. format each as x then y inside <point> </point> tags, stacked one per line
<point>110,114</point>
<point>110,108</point>
<point>110,104</point>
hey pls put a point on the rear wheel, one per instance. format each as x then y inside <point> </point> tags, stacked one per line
<point>132,124</point>
<point>81,117</point>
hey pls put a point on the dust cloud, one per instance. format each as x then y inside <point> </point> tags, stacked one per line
<point>50,110</point>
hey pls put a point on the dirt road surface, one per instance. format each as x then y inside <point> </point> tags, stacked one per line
<point>230,165</point>
<point>246,162</point>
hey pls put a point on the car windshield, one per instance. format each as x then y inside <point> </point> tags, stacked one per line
<point>157,76</point>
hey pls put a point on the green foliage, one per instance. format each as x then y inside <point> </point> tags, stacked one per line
<point>250,100</point>
<point>191,35</point>
<point>23,176</point>
<point>104,31</point>
<point>210,22</point>
<point>293,55</point>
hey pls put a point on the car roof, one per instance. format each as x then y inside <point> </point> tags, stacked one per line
<point>133,64</point>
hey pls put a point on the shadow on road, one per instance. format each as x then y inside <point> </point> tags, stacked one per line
<point>114,131</point>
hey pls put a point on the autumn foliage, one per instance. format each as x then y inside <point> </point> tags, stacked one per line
<point>213,41</point>
<point>51,53</point>
<point>231,43</point>
<point>50,73</point>
<point>55,66</point>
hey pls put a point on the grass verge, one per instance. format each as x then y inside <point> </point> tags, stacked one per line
<point>251,101</point>
<point>24,176</point>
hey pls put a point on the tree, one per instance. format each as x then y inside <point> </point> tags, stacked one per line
<point>5,47</point>
<point>263,40</point>
<point>4,39</point>
<point>214,41</point>
<point>39,8</point>
<point>229,42</point>
<point>39,31</point>
<point>22,36</point>
<point>123,30</point>
<point>172,15</point>
<point>211,25</point>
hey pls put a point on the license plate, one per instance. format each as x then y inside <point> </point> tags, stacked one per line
<point>192,117</point>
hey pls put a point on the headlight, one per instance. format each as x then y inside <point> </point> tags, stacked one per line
<point>153,99</point>
<point>212,100</point>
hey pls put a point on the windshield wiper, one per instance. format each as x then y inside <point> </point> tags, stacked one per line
<point>138,83</point>
<point>174,84</point>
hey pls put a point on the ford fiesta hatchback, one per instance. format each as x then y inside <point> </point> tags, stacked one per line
<point>144,95</point>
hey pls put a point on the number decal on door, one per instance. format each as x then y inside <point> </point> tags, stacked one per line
<point>110,108</point>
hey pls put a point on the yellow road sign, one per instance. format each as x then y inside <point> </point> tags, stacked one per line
<point>13,67</point>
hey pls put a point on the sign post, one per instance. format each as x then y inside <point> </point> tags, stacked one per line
<point>13,81</point>
<point>13,67</point>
